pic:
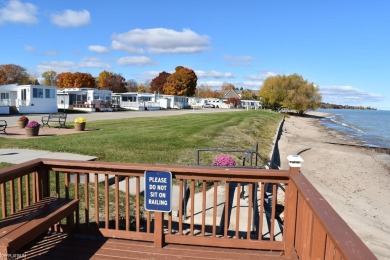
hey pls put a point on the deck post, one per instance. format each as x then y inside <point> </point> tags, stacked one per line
<point>291,209</point>
<point>294,161</point>
<point>158,229</point>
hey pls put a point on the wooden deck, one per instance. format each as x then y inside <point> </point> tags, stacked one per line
<point>61,246</point>
<point>110,207</point>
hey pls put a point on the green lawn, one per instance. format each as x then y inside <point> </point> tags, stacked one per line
<point>162,140</point>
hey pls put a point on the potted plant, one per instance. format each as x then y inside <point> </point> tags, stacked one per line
<point>79,123</point>
<point>32,128</point>
<point>23,121</point>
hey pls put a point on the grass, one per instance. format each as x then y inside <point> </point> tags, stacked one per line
<point>163,140</point>
<point>158,140</point>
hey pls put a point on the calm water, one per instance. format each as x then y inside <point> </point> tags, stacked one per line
<point>370,126</point>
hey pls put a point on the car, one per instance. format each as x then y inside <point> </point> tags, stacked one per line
<point>208,105</point>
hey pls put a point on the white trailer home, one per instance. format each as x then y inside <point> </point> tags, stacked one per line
<point>27,99</point>
<point>217,102</point>
<point>172,101</point>
<point>136,101</point>
<point>250,104</point>
<point>85,99</point>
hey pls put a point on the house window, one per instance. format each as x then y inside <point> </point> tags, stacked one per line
<point>4,96</point>
<point>24,94</point>
<point>37,92</point>
<point>49,93</point>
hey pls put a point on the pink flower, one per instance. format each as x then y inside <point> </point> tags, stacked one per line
<point>224,160</point>
<point>33,124</point>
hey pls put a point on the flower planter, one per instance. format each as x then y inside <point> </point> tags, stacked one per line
<point>79,126</point>
<point>32,131</point>
<point>22,124</point>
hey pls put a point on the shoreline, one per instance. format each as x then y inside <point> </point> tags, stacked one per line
<point>360,126</point>
<point>354,181</point>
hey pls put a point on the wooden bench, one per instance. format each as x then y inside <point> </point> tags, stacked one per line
<point>24,226</point>
<point>3,126</point>
<point>54,117</point>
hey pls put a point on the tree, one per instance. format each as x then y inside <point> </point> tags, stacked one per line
<point>204,91</point>
<point>13,74</point>
<point>292,92</point>
<point>234,101</point>
<point>65,80</point>
<point>157,84</point>
<point>227,87</point>
<point>248,94</point>
<point>182,82</point>
<point>301,95</point>
<point>49,78</point>
<point>111,81</point>
<point>83,80</point>
<point>131,85</point>
<point>75,80</point>
<point>141,88</point>
<point>33,79</point>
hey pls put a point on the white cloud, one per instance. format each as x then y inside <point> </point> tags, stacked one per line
<point>211,83</point>
<point>239,61</point>
<point>98,49</point>
<point>121,45</point>
<point>262,76</point>
<point>64,66</point>
<point>70,18</point>
<point>239,58</point>
<point>135,60</point>
<point>213,74</point>
<point>18,12</point>
<point>149,75</point>
<point>29,48</point>
<point>160,41</point>
<point>253,84</point>
<point>348,95</point>
<point>50,53</point>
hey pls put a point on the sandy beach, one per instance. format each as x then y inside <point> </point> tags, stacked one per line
<point>354,181</point>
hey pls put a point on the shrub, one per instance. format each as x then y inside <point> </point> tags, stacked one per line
<point>224,160</point>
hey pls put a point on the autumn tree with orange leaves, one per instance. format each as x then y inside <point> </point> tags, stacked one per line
<point>157,84</point>
<point>111,81</point>
<point>75,80</point>
<point>182,82</point>
<point>14,74</point>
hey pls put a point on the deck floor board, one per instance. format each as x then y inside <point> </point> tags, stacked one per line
<point>60,246</point>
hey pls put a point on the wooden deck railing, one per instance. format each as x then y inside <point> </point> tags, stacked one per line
<point>111,204</point>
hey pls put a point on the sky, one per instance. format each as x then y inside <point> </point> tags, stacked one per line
<point>341,46</point>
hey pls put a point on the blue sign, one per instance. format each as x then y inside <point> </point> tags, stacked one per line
<point>158,190</point>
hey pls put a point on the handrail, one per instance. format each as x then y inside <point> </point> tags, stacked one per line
<point>320,233</point>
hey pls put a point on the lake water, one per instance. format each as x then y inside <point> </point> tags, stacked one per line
<point>369,126</point>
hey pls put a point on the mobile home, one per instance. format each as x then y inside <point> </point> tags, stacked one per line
<point>28,99</point>
<point>85,99</point>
